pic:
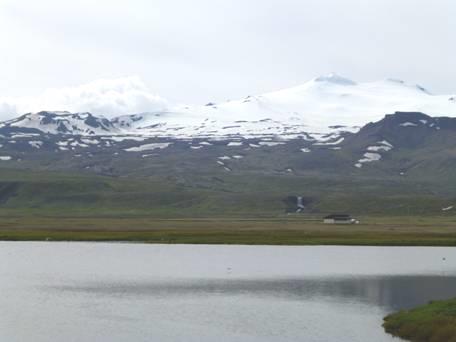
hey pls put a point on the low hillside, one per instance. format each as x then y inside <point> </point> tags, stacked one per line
<point>62,193</point>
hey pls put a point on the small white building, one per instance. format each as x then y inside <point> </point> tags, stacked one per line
<point>339,219</point>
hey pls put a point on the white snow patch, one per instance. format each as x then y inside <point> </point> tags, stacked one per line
<point>78,144</point>
<point>378,148</point>
<point>90,141</point>
<point>224,158</point>
<point>447,208</point>
<point>384,142</point>
<point>234,143</point>
<point>25,135</point>
<point>337,142</point>
<point>146,147</point>
<point>205,143</point>
<point>196,147</point>
<point>408,124</point>
<point>122,138</point>
<point>35,143</point>
<point>237,156</point>
<point>305,150</point>
<point>4,158</point>
<point>368,158</point>
<point>270,143</point>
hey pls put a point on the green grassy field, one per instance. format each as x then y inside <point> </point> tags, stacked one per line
<point>435,322</point>
<point>232,209</point>
<point>396,231</point>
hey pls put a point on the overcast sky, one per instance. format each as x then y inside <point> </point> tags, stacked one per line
<point>137,53</point>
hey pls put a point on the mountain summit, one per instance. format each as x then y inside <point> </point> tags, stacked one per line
<point>334,78</point>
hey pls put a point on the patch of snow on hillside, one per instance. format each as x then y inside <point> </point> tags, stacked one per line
<point>384,142</point>
<point>238,157</point>
<point>122,138</point>
<point>196,147</point>
<point>25,135</point>
<point>270,143</point>
<point>224,158</point>
<point>378,148</point>
<point>305,150</point>
<point>234,143</point>
<point>408,124</point>
<point>5,158</point>
<point>146,147</point>
<point>447,208</point>
<point>35,143</point>
<point>90,141</point>
<point>78,144</point>
<point>368,158</point>
<point>328,143</point>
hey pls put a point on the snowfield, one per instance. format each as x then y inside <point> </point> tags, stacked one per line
<point>324,105</point>
<point>318,111</point>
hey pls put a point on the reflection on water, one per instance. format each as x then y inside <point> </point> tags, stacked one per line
<point>391,292</point>
<point>126,292</point>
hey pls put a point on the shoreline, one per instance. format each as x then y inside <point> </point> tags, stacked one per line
<point>435,321</point>
<point>373,231</point>
<point>234,237</point>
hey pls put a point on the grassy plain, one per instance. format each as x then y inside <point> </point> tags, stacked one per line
<point>382,231</point>
<point>242,209</point>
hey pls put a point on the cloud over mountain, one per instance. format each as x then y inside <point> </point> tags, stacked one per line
<point>107,97</point>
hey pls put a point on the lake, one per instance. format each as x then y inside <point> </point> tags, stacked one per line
<point>56,291</point>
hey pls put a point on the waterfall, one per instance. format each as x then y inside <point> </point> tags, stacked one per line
<point>299,204</point>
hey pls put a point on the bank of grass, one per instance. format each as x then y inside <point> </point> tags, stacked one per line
<point>435,322</point>
<point>378,231</point>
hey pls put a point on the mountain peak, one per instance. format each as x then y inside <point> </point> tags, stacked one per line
<point>335,79</point>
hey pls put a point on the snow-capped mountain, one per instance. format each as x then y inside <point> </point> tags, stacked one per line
<point>326,104</point>
<point>320,109</point>
<point>62,123</point>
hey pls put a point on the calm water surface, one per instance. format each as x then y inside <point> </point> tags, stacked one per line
<point>134,292</point>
